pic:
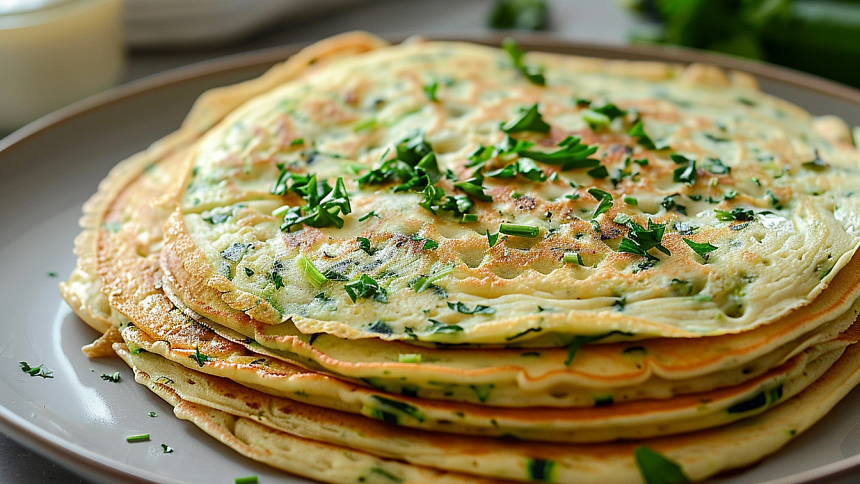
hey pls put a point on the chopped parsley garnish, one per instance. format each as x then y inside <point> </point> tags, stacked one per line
<point>41,370</point>
<point>311,273</point>
<point>638,132</point>
<point>669,204</point>
<point>199,357</point>
<point>114,377</point>
<point>438,327</point>
<point>435,200</point>
<point>529,119</point>
<point>631,200</point>
<point>429,244</point>
<point>297,142</point>
<point>523,166</point>
<point>686,173</point>
<point>249,272</point>
<point>540,470</point>
<point>324,204</point>
<point>380,327</point>
<point>430,90</point>
<point>701,249</point>
<point>533,74</point>
<point>364,244</point>
<point>519,230</point>
<point>152,414</point>
<point>414,166</point>
<point>166,449</point>
<point>137,438</point>
<point>756,181</point>
<point>641,161</point>
<point>604,199</point>
<point>730,195</point>
<point>640,240</point>
<point>52,274</point>
<point>492,238</point>
<point>366,287</point>
<point>475,187</point>
<point>716,166</point>
<point>578,342</point>
<point>736,214</point>
<point>479,309</point>
<point>573,154</point>
<point>598,172</point>
<point>277,279</point>
<point>658,469</point>
<point>774,201</point>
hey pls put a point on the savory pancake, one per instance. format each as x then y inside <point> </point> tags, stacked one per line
<point>444,262</point>
<point>264,427</point>
<point>392,194</point>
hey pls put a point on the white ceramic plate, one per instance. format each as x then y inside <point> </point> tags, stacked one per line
<point>48,169</point>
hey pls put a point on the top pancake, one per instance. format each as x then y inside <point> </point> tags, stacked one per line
<point>747,173</point>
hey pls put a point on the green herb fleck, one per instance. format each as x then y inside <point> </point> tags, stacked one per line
<point>604,199</point>
<point>479,309</point>
<point>430,90</point>
<point>166,449</point>
<point>631,200</point>
<point>199,357</point>
<point>41,370</point>
<point>152,414</point>
<point>310,271</point>
<point>701,249</point>
<point>529,119</point>
<point>137,438</point>
<point>246,480</point>
<point>114,377</point>
<point>366,287</point>
<point>540,470</point>
<point>640,240</point>
<point>533,74</point>
<point>658,469</point>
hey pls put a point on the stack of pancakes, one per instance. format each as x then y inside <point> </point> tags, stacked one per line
<point>442,262</point>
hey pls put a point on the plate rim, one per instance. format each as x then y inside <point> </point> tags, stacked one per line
<point>88,463</point>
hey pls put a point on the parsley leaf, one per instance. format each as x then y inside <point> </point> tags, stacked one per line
<point>41,370</point>
<point>701,249</point>
<point>475,187</point>
<point>366,287</point>
<point>669,204</point>
<point>429,244</point>
<point>533,74</point>
<point>736,214</point>
<point>638,132</point>
<point>114,377</point>
<point>657,469</point>
<point>479,309</point>
<point>685,174</point>
<point>199,357</point>
<point>640,240</point>
<point>604,198</point>
<point>523,166</point>
<point>573,154</point>
<point>529,119</point>
<point>324,204</point>
<point>430,90</point>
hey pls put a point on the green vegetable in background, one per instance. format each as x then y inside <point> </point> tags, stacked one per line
<point>817,36</point>
<point>519,14</point>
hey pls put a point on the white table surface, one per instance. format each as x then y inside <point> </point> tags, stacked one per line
<point>598,21</point>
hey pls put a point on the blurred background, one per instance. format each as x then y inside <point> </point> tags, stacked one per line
<point>55,52</point>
